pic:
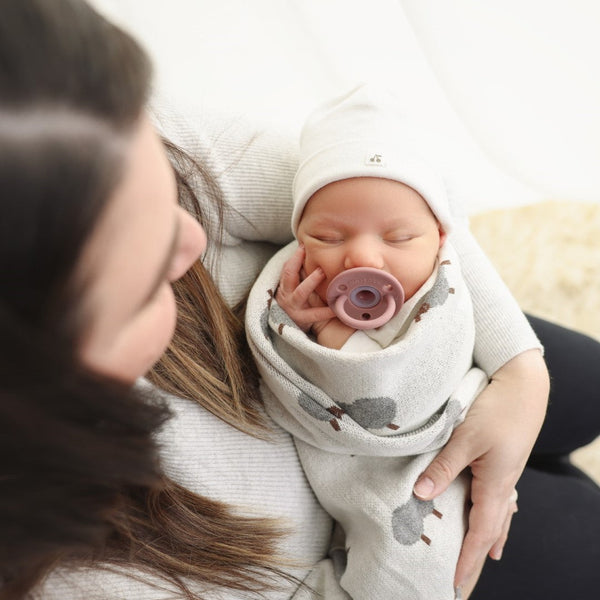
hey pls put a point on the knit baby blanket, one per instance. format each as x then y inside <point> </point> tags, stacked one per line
<point>367,424</point>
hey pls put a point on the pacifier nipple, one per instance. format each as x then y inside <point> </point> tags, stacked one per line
<point>365,298</point>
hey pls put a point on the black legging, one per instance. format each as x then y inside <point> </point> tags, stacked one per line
<point>553,550</point>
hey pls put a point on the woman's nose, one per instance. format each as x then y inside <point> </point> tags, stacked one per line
<point>363,252</point>
<point>191,244</point>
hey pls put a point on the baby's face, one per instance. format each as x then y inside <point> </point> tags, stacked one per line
<point>370,222</point>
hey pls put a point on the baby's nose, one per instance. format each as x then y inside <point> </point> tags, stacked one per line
<point>363,253</point>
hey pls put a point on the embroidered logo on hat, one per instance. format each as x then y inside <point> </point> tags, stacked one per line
<point>375,159</point>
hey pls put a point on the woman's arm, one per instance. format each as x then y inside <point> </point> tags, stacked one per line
<point>501,329</point>
<point>496,438</point>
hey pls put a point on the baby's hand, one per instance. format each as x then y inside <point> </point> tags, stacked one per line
<point>331,333</point>
<point>297,296</point>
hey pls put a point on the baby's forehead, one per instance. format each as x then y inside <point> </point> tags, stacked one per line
<point>345,202</point>
<point>351,220</point>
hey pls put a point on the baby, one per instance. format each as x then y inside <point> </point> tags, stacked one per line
<point>370,408</point>
<point>360,222</point>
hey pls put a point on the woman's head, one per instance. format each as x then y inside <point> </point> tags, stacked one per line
<point>90,228</point>
<point>69,104</point>
<point>143,242</point>
<point>89,200</point>
<point>91,236</point>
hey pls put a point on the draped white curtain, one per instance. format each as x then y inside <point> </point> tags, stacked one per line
<point>512,87</point>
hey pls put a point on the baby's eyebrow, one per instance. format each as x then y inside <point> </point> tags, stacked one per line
<point>395,225</point>
<point>343,221</point>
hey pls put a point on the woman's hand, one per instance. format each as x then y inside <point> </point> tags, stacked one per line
<point>495,441</point>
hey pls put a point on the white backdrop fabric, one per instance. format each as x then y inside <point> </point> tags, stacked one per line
<point>508,89</point>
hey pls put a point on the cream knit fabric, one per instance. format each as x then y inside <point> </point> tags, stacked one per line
<point>254,170</point>
<point>366,425</point>
<point>362,134</point>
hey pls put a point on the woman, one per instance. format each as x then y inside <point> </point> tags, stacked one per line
<point>91,239</point>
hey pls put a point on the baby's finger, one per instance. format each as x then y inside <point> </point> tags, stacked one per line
<point>315,301</point>
<point>306,287</point>
<point>319,314</point>
<point>290,273</point>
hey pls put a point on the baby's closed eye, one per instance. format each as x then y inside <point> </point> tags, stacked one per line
<point>398,238</point>
<point>328,237</point>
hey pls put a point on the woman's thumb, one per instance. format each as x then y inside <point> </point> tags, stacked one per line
<point>442,471</point>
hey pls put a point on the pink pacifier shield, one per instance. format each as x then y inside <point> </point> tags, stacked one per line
<point>365,298</point>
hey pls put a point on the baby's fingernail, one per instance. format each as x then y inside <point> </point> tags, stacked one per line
<point>458,593</point>
<point>424,487</point>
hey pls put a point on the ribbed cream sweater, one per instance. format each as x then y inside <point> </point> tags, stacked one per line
<point>254,171</point>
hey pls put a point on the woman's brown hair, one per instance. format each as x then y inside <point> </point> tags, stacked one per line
<point>208,361</point>
<point>80,481</point>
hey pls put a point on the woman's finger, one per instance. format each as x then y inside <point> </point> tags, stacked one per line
<point>485,527</point>
<point>446,466</point>
<point>489,522</point>
<point>497,549</point>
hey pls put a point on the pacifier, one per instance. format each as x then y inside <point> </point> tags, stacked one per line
<point>365,298</point>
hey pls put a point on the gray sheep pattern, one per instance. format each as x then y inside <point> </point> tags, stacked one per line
<point>437,295</point>
<point>408,521</point>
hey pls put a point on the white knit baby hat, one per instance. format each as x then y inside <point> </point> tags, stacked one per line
<point>363,134</point>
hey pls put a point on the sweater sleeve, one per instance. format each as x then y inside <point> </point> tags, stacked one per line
<point>501,329</point>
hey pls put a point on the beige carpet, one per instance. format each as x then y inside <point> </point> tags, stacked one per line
<point>549,256</point>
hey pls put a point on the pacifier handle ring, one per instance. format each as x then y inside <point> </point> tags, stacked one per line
<point>360,324</point>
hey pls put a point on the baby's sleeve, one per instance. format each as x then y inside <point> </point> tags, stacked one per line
<point>360,342</point>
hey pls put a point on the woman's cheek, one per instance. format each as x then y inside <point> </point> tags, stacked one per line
<point>148,338</point>
<point>158,329</point>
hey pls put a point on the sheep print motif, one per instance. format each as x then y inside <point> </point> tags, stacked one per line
<point>367,424</point>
